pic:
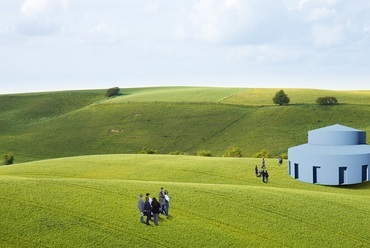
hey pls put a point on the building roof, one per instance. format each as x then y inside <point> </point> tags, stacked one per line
<point>336,135</point>
<point>336,127</point>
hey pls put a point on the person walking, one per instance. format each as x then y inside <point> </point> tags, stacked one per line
<point>155,209</point>
<point>266,176</point>
<point>147,210</point>
<point>140,206</point>
<point>256,170</point>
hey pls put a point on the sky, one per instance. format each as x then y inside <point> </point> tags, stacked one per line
<point>51,45</point>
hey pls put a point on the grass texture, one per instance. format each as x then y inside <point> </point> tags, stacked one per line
<point>90,201</point>
<point>185,119</point>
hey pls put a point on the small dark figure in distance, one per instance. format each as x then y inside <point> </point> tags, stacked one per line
<point>266,176</point>
<point>263,173</point>
<point>280,161</point>
<point>256,170</point>
<point>263,166</point>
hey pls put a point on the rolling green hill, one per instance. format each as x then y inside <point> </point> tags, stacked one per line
<point>90,201</point>
<point>69,199</point>
<point>186,119</point>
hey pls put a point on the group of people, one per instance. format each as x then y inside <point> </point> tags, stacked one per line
<point>152,207</point>
<point>262,172</point>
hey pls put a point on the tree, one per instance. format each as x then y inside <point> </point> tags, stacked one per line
<point>148,151</point>
<point>205,153</point>
<point>112,92</point>
<point>8,158</point>
<point>327,100</point>
<point>281,98</point>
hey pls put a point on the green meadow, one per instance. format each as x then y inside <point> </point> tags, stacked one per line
<point>90,201</point>
<point>77,173</point>
<point>168,119</point>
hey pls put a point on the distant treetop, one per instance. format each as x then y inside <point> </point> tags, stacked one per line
<point>112,92</point>
<point>281,98</point>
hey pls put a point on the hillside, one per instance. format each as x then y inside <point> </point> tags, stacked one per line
<point>186,119</point>
<point>90,201</point>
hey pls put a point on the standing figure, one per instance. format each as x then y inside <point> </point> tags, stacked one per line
<point>150,199</point>
<point>161,191</point>
<point>266,176</point>
<point>147,210</point>
<point>140,206</point>
<point>256,170</point>
<point>263,173</point>
<point>263,166</point>
<point>155,209</point>
<point>167,202</point>
<point>280,161</point>
<point>162,202</point>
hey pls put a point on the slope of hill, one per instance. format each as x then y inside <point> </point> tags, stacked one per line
<point>185,119</point>
<point>90,201</point>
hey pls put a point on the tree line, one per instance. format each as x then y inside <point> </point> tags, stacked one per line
<point>281,98</point>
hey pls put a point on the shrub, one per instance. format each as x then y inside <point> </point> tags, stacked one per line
<point>281,98</point>
<point>178,153</point>
<point>233,152</point>
<point>264,153</point>
<point>148,151</point>
<point>112,92</point>
<point>204,153</point>
<point>326,100</point>
<point>8,158</point>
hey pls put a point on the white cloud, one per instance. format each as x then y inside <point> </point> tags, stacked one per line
<point>42,17</point>
<point>321,13</point>
<point>326,36</point>
<point>239,21</point>
<point>189,40</point>
<point>43,7</point>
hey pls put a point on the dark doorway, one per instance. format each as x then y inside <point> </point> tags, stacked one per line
<point>296,174</point>
<point>342,171</point>
<point>364,173</point>
<point>314,173</point>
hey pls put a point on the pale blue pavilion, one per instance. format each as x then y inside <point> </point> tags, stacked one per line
<point>334,155</point>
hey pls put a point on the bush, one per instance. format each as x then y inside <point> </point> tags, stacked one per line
<point>112,92</point>
<point>233,152</point>
<point>264,153</point>
<point>281,98</point>
<point>148,151</point>
<point>178,153</point>
<point>284,155</point>
<point>327,100</point>
<point>8,158</point>
<point>204,153</point>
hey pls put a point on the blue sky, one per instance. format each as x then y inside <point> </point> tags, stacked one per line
<point>48,45</point>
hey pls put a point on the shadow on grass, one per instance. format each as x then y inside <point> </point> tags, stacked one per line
<point>359,186</point>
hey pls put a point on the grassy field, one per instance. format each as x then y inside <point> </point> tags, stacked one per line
<point>186,119</point>
<point>90,201</point>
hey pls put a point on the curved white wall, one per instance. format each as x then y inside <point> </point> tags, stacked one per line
<point>335,155</point>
